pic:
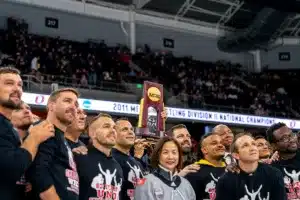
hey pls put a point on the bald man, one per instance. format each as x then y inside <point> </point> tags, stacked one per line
<point>212,167</point>
<point>226,138</point>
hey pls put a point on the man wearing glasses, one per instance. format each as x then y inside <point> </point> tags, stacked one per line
<point>285,141</point>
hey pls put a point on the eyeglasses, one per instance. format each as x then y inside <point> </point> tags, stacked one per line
<point>288,138</point>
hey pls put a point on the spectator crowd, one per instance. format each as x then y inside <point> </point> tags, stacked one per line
<point>204,85</point>
<point>64,157</point>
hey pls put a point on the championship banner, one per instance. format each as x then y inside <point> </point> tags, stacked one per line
<point>151,124</point>
<point>183,114</point>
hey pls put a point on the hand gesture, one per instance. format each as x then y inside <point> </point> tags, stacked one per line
<point>42,131</point>
<point>233,168</point>
<point>189,169</point>
<point>139,147</point>
<point>164,114</point>
<point>80,150</point>
<point>274,158</point>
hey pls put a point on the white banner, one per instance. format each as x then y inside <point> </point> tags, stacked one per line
<point>174,113</point>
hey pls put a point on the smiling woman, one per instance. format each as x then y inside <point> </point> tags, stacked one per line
<point>163,182</point>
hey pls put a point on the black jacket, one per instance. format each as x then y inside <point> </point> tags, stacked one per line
<point>14,161</point>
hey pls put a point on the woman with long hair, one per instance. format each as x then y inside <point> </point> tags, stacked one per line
<point>164,183</point>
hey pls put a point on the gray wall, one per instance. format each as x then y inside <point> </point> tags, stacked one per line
<point>271,58</point>
<point>78,27</point>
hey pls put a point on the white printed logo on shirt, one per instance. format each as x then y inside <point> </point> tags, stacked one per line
<point>291,182</point>
<point>102,183</point>
<point>72,174</point>
<point>211,187</point>
<point>253,194</point>
<point>136,177</point>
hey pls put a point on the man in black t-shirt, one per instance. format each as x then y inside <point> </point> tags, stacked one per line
<point>256,181</point>
<point>211,169</point>
<point>284,141</point>
<point>53,174</point>
<point>100,175</point>
<point>75,129</point>
<point>15,155</point>
<point>132,170</point>
<point>22,119</point>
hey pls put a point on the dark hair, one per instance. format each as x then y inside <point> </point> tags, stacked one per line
<point>259,137</point>
<point>233,147</point>
<point>9,70</point>
<point>270,131</point>
<point>200,153</point>
<point>157,151</point>
<point>173,128</point>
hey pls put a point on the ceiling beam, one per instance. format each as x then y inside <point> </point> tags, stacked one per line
<point>184,8</point>
<point>230,13</point>
<point>205,11</point>
<point>140,3</point>
<point>225,2</point>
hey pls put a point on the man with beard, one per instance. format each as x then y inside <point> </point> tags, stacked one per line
<point>284,141</point>
<point>256,181</point>
<point>15,156</point>
<point>227,137</point>
<point>54,174</point>
<point>183,137</point>
<point>100,175</point>
<point>74,131</point>
<point>212,167</point>
<point>132,170</point>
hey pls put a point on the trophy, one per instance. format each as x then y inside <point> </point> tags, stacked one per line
<point>151,125</point>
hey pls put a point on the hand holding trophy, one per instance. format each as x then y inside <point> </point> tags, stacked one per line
<point>151,125</point>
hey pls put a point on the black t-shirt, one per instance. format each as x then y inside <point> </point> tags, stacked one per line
<point>291,171</point>
<point>205,179</point>
<point>100,176</point>
<point>14,161</point>
<point>54,165</point>
<point>266,183</point>
<point>132,172</point>
<point>74,144</point>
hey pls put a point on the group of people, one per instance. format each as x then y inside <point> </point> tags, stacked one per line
<point>46,159</point>
<point>93,64</point>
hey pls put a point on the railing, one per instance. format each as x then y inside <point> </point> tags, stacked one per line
<point>30,79</point>
<point>230,109</point>
<point>71,82</point>
<point>116,87</point>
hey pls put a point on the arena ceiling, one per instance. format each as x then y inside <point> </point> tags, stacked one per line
<point>231,14</point>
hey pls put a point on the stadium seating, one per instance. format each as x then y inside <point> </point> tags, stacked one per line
<point>211,86</point>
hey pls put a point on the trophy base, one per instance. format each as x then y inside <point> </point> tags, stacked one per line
<point>144,132</point>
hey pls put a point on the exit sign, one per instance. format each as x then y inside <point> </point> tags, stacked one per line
<point>284,56</point>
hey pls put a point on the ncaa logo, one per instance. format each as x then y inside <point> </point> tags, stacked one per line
<point>86,104</point>
<point>154,94</point>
